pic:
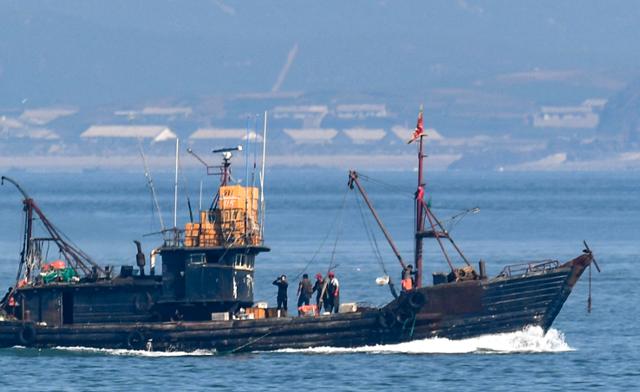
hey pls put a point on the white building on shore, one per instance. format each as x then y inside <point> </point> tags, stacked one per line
<point>158,133</point>
<point>312,135</point>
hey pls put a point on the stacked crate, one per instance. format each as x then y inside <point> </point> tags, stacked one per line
<point>191,231</point>
<point>234,222</point>
<point>238,207</point>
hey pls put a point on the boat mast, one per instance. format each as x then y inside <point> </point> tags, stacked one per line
<point>175,187</point>
<point>423,211</point>
<point>353,179</point>
<point>419,200</point>
<point>75,256</point>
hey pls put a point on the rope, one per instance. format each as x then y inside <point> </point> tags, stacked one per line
<point>338,233</point>
<point>386,185</point>
<point>374,245</point>
<point>371,236</point>
<point>589,298</point>
<point>250,342</point>
<point>413,326</point>
<point>457,218</point>
<point>152,217</point>
<point>326,237</point>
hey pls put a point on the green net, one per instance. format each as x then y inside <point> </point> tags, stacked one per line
<point>59,275</point>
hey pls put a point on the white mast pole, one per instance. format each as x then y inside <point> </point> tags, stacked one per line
<point>200,204</point>
<point>147,174</point>
<point>262,170</point>
<point>175,187</point>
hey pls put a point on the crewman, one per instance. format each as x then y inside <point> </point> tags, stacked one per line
<point>318,288</point>
<point>283,285</point>
<point>333,293</point>
<point>305,291</point>
<point>407,278</point>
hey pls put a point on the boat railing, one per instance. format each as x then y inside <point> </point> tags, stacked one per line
<point>173,238</point>
<point>529,267</point>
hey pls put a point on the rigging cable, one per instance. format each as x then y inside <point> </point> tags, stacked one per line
<point>371,236</point>
<point>184,181</point>
<point>374,245</point>
<point>150,184</point>
<point>383,184</point>
<point>457,218</point>
<point>335,243</point>
<point>326,237</point>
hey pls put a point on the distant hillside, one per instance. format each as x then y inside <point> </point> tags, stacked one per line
<point>620,119</point>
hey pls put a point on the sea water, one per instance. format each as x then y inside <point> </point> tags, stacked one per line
<point>313,222</point>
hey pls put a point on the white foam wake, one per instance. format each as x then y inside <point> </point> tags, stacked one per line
<point>529,340</point>
<point>138,353</point>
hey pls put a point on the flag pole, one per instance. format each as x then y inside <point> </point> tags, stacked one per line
<point>419,197</point>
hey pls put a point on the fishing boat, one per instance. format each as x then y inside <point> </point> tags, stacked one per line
<point>203,296</point>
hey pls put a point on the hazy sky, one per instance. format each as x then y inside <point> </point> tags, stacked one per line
<point>87,52</point>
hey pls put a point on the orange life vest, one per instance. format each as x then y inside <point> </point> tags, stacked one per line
<point>308,309</point>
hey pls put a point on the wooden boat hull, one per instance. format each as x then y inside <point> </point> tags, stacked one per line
<point>453,310</point>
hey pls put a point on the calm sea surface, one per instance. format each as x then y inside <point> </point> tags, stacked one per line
<point>523,216</point>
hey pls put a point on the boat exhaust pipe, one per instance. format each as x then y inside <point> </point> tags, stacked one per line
<point>152,261</point>
<point>140,260</point>
<point>483,270</point>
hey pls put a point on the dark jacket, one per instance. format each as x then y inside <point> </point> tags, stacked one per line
<point>305,289</point>
<point>317,288</point>
<point>283,285</point>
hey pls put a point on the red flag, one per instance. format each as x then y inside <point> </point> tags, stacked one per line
<point>420,193</point>
<point>419,129</point>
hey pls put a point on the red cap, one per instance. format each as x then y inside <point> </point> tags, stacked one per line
<point>331,274</point>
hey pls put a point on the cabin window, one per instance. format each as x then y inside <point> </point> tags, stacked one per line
<point>197,258</point>
<point>244,260</point>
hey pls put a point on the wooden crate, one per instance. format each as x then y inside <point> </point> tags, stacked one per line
<point>273,313</point>
<point>238,197</point>
<point>258,313</point>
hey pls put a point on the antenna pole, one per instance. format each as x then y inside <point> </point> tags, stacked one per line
<point>262,169</point>
<point>246,179</point>
<point>175,187</point>
<point>200,204</point>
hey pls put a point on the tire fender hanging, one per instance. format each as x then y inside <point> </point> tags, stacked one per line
<point>387,319</point>
<point>27,335</point>
<point>136,340</point>
<point>416,300</point>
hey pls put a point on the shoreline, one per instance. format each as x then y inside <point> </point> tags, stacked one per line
<point>391,162</point>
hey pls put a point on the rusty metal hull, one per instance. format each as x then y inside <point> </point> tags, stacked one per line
<point>502,304</point>
<point>453,310</point>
